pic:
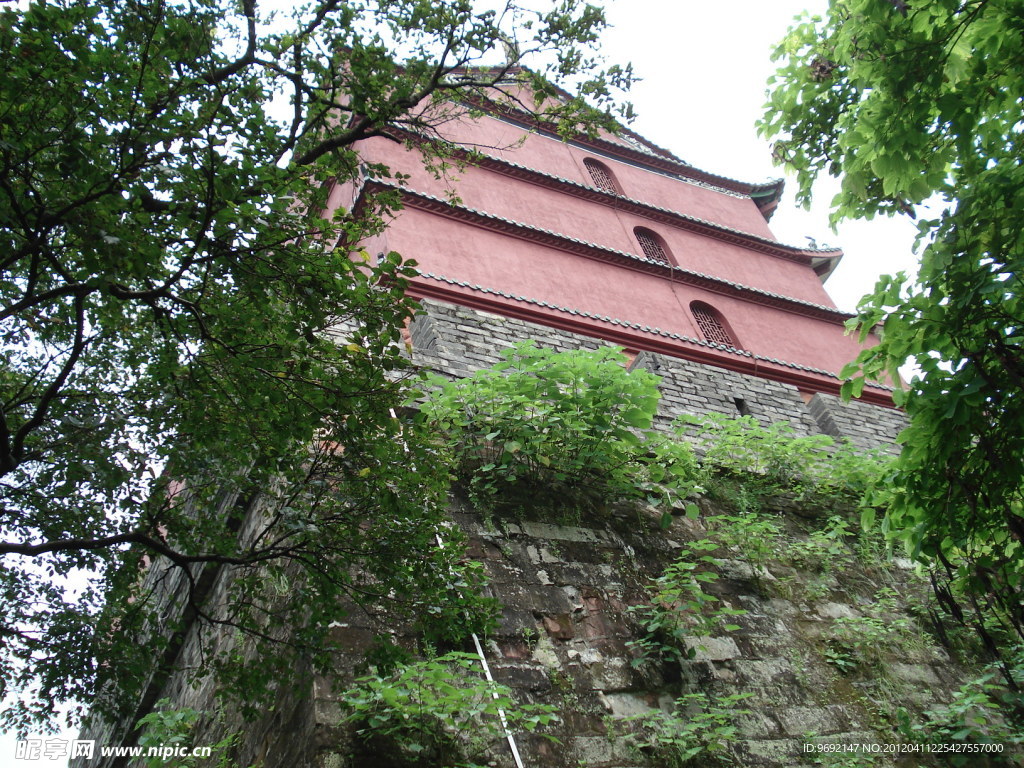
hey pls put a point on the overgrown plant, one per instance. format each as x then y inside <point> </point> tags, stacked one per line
<point>775,460</point>
<point>697,731</point>
<point>566,430</point>
<point>437,712</point>
<point>832,550</point>
<point>862,643</point>
<point>825,549</point>
<point>168,732</point>
<point>977,714</point>
<point>756,538</point>
<point>680,610</point>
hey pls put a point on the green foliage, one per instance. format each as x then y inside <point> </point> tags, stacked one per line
<point>164,728</point>
<point>827,550</point>
<point>977,714</point>
<point>841,658</point>
<point>909,103</point>
<point>834,551</point>
<point>680,609</point>
<point>438,712</point>
<point>756,538</point>
<point>773,460</point>
<point>698,731</point>
<point>866,643</point>
<point>175,305</point>
<point>563,431</point>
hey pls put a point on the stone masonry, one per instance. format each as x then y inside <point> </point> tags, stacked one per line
<point>569,592</point>
<point>568,627</point>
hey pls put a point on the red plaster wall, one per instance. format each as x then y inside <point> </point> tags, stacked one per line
<point>556,158</point>
<point>499,261</point>
<point>611,227</point>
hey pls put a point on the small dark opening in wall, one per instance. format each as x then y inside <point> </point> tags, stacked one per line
<point>741,406</point>
<point>238,511</point>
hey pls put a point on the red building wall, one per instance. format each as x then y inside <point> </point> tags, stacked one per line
<point>523,230</point>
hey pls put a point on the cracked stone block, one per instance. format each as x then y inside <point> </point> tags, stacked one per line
<point>756,725</point>
<point>597,751</point>
<point>561,532</point>
<point>914,673</point>
<point>559,627</point>
<point>797,721</point>
<point>614,675</point>
<point>544,653</point>
<point>586,656</point>
<point>713,648</point>
<point>631,704</point>
<point>837,611</point>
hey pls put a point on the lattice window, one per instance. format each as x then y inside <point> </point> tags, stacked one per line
<point>711,325</point>
<point>651,245</point>
<point>601,176</point>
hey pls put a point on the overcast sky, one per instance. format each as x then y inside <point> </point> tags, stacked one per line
<point>704,68</point>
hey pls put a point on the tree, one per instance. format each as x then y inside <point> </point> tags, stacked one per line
<point>189,347</point>
<point>911,104</point>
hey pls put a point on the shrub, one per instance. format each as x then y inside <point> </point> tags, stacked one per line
<point>865,643</point>
<point>681,609</point>
<point>981,712</point>
<point>165,729</point>
<point>437,712</point>
<point>565,430</point>
<point>774,460</point>
<point>698,731</point>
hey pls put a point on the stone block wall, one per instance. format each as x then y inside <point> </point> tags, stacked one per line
<point>701,390</point>
<point>861,423</point>
<point>567,631</point>
<point>282,736</point>
<point>566,637</point>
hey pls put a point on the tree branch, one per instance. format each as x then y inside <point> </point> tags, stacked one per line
<point>249,57</point>
<point>48,396</point>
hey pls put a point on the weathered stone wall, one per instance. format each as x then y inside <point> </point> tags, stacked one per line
<point>282,736</point>
<point>566,635</point>
<point>861,423</point>
<point>567,630</point>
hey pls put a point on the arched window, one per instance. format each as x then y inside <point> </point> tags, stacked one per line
<point>652,245</point>
<point>601,176</point>
<point>711,324</point>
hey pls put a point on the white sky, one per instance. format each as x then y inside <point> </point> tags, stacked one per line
<point>704,67</point>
